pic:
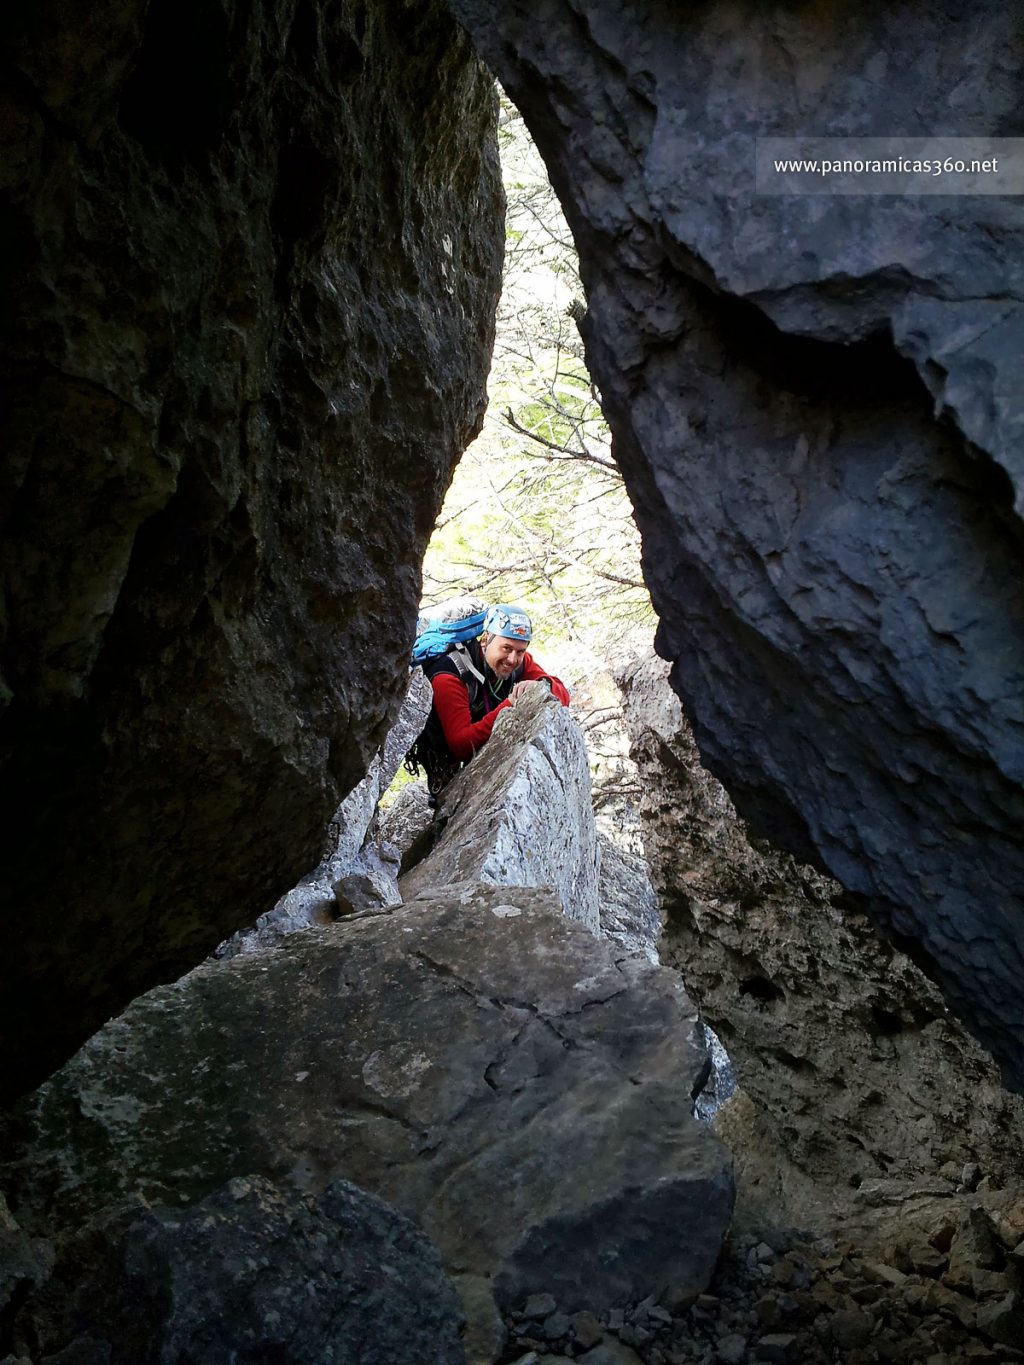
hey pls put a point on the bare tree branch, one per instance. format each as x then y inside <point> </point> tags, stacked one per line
<point>564,452</point>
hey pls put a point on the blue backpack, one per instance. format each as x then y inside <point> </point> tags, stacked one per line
<point>450,623</point>
<point>442,630</point>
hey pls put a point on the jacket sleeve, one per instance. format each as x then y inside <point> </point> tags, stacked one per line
<point>532,672</point>
<point>462,734</point>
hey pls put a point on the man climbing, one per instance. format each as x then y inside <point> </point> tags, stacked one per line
<point>472,682</point>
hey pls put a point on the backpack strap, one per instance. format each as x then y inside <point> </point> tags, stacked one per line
<point>461,661</point>
<point>430,751</point>
<point>472,677</point>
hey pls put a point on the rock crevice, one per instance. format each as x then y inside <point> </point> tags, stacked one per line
<point>479,1057</point>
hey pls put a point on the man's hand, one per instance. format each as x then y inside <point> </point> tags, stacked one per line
<point>520,689</point>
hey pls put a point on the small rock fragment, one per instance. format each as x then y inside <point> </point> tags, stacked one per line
<point>779,1348</point>
<point>851,1328</point>
<point>586,1330</point>
<point>611,1352</point>
<point>539,1306</point>
<point>1003,1320</point>
<point>732,1349</point>
<point>556,1326</point>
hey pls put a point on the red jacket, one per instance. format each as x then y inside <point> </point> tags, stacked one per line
<point>462,734</point>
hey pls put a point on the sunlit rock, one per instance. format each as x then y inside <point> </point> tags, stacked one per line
<point>521,814</point>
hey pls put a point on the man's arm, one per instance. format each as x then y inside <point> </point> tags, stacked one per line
<point>462,734</point>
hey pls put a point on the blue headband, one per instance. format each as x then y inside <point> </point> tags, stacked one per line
<point>512,623</point>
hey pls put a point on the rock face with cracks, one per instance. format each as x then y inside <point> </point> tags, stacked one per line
<point>247,1275</point>
<point>630,914</point>
<point>249,327</point>
<point>814,403</point>
<point>854,1072</point>
<point>520,814</point>
<point>476,1058</point>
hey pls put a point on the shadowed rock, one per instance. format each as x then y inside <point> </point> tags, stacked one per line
<point>815,406</point>
<point>475,1058</point>
<point>248,327</point>
<point>247,1275</point>
<point>354,874</point>
<point>852,1067</point>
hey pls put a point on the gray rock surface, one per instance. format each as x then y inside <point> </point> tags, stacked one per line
<point>629,907</point>
<point>851,1065</point>
<point>249,1274</point>
<point>520,814</point>
<point>406,820</point>
<point>475,1058</point>
<point>861,1295</point>
<point>815,406</point>
<point>247,333</point>
<point>356,874</point>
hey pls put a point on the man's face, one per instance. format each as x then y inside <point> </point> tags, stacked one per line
<point>504,655</point>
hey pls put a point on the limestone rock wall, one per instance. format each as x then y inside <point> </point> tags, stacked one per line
<point>854,1072</point>
<point>251,257</point>
<point>814,405</point>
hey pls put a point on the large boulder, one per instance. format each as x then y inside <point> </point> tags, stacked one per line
<point>815,404</point>
<point>249,317</point>
<point>475,1058</point>
<point>852,1067</point>
<point>249,1274</point>
<point>520,814</point>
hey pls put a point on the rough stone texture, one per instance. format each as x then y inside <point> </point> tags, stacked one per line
<point>248,324</point>
<point>475,1058</point>
<point>855,1068</point>
<point>629,908</point>
<point>248,1275</point>
<point>816,408</point>
<point>406,820</point>
<point>888,1287</point>
<point>861,1296</point>
<point>24,1263</point>
<point>520,814</point>
<point>355,874</point>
